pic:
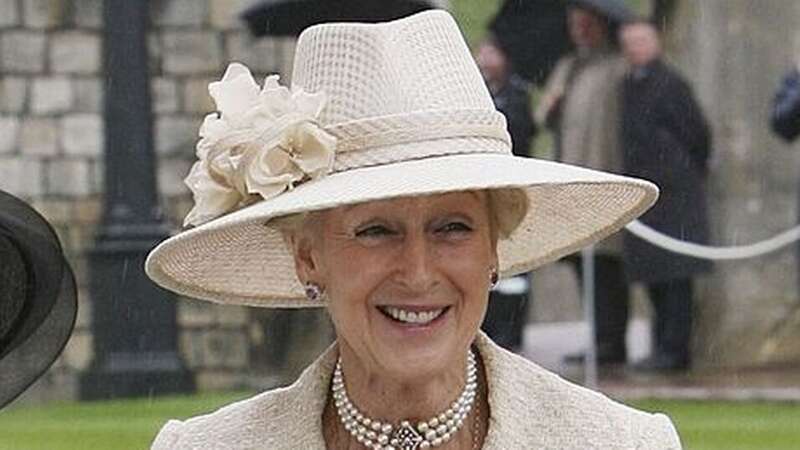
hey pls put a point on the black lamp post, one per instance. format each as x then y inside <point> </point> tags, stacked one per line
<point>133,321</point>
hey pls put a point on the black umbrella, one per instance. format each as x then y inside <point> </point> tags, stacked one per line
<point>533,33</point>
<point>616,11</point>
<point>290,17</point>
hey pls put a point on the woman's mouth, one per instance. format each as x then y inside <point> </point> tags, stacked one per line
<point>412,317</point>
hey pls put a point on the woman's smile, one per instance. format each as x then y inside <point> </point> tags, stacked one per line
<point>404,323</point>
<point>413,316</point>
<point>422,324</point>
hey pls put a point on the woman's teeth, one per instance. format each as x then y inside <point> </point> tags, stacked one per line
<point>421,317</point>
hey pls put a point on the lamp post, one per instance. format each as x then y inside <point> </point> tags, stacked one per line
<point>133,321</point>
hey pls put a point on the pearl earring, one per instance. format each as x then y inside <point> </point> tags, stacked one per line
<point>493,277</point>
<point>314,291</point>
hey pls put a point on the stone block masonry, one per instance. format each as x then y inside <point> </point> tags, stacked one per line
<point>22,52</point>
<point>9,133</point>
<point>13,93</point>
<point>52,147</point>
<point>39,136</point>
<point>9,14</point>
<point>51,95</point>
<point>75,52</point>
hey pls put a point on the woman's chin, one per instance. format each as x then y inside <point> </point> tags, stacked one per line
<point>410,350</point>
<point>422,337</point>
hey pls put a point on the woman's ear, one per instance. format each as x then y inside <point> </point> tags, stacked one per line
<point>306,263</point>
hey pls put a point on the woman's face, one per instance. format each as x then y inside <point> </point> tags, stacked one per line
<point>406,280</point>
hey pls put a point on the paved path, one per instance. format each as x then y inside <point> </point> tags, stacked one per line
<point>547,344</point>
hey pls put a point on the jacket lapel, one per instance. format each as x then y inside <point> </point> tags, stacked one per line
<point>310,393</point>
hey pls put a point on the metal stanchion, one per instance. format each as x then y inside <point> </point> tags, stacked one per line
<point>590,363</point>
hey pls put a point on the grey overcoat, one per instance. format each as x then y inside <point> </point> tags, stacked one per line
<point>585,120</point>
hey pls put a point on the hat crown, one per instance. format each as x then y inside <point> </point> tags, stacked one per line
<point>420,63</point>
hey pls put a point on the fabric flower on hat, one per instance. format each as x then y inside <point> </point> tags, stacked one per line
<point>260,143</point>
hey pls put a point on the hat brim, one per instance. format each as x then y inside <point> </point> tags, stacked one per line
<point>31,358</point>
<point>238,259</point>
<point>36,335</point>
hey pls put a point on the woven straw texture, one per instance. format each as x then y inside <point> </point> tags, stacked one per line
<point>412,116</point>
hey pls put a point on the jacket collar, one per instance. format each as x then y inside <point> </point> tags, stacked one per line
<point>310,393</point>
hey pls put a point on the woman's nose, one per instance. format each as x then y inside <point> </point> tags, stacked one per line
<point>416,262</point>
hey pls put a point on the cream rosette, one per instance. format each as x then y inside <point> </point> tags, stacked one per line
<point>260,143</point>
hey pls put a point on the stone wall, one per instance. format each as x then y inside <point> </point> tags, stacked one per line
<point>51,138</point>
<point>51,154</point>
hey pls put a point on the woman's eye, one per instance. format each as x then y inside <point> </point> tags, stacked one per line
<point>374,231</point>
<point>455,227</point>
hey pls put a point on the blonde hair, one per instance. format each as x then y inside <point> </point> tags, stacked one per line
<point>507,208</point>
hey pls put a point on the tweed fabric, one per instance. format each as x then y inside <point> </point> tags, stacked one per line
<point>530,408</point>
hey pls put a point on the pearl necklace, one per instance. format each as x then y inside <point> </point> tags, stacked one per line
<point>378,435</point>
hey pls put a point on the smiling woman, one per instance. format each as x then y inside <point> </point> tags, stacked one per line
<point>409,300</point>
<point>382,187</point>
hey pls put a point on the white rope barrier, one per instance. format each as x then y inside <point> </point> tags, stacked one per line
<point>664,241</point>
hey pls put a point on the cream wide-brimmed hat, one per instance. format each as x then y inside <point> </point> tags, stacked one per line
<point>375,111</point>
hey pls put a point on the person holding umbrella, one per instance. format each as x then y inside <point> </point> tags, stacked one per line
<point>580,105</point>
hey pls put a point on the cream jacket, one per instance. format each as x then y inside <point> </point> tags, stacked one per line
<point>530,408</point>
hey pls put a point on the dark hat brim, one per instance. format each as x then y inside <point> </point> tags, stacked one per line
<point>37,332</point>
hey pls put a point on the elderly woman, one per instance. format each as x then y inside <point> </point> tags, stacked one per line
<point>382,187</point>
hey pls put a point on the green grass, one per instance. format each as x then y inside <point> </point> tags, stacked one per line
<point>120,424</point>
<point>132,424</point>
<point>732,426</point>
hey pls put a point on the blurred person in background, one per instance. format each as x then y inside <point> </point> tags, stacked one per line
<point>665,139</point>
<point>509,92</point>
<point>785,115</point>
<point>508,309</point>
<point>579,104</point>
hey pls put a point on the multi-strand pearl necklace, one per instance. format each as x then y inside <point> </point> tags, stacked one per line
<point>380,435</point>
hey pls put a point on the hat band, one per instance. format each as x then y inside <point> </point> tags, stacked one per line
<point>360,143</point>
